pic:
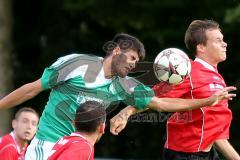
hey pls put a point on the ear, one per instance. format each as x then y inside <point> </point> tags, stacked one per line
<point>101,128</point>
<point>200,48</point>
<point>116,50</point>
<point>14,124</point>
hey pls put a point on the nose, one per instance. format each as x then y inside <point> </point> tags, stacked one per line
<point>29,126</point>
<point>132,65</point>
<point>224,44</point>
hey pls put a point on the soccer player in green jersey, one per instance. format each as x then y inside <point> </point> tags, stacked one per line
<point>77,78</point>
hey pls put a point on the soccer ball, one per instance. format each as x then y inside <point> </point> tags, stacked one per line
<point>172,65</point>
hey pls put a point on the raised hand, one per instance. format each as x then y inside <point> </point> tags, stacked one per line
<point>118,123</point>
<point>223,94</point>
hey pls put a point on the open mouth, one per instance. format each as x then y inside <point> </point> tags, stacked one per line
<point>27,134</point>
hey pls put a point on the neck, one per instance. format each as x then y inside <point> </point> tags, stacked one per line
<point>19,141</point>
<point>91,137</point>
<point>107,67</point>
<point>209,61</point>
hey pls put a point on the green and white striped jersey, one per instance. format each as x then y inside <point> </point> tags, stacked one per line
<point>76,78</point>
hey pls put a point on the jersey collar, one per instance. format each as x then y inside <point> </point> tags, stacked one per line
<point>14,139</point>
<point>206,65</point>
<point>78,135</point>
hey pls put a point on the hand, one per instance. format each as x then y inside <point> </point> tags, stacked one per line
<point>118,123</point>
<point>222,94</point>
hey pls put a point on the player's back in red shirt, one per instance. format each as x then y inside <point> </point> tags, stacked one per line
<point>74,147</point>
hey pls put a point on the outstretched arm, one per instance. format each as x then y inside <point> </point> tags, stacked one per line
<point>179,104</point>
<point>21,94</point>
<point>118,122</point>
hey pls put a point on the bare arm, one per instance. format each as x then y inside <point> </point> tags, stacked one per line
<point>119,121</point>
<point>21,94</point>
<point>179,104</point>
<point>226,149</point>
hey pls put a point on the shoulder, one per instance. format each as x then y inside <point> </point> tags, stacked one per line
<point>7,147</point>
<point>76,57</point>
<point>80,149</point>
<point>75,142</point>
<point>196,67</point>
<point>195,64</point>
<point>7,139</point>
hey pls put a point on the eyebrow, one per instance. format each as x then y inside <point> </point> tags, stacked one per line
<point>25,119</point>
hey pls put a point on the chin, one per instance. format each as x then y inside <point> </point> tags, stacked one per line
<point>28,138</point>
<point>223,59</point>
<point>122,75</point>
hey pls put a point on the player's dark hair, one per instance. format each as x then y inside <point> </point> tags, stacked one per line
<point>125,42</point>
<point>89,116</point>
<point>25,109</point>
<point>196,33</point>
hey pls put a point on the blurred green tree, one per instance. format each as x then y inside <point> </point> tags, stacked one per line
<point>6,61</point>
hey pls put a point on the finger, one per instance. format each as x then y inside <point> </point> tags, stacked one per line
<point>113,131</point>
<point>230,88</point>
<point>112,121</point>
<point>231,95</point>
<point>113,127</point>
<point>119,129</point>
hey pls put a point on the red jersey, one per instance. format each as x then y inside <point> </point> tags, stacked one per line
<point>74,147</point>
<point>9,150</point>
<point>195,130</point>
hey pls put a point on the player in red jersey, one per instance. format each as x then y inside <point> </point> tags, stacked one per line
<point>192,134</point>
<point>90,124</point>
<point>13,146</point>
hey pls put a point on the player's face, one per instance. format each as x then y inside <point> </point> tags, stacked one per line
<point>25,126</point>
<point>123,63</point>
<point>215,47</point>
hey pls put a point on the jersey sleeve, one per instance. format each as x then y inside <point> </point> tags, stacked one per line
<point>63,69</point>
<point>163,89</point>
<point>140,95</point>
<point>47,78</point>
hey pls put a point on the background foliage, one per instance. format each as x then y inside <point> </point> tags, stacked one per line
<point>44,30</point>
